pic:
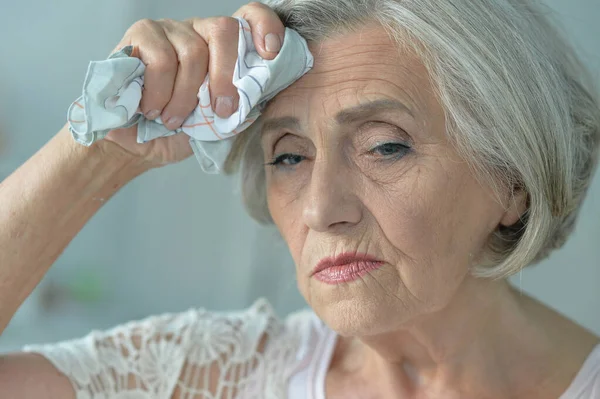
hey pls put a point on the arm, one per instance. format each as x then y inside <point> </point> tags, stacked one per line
<point>195,353</point>
<point>26,375</point>
<point>51,197</point>
<point>46,202</point>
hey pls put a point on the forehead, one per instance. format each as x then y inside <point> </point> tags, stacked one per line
<point>354,67</point>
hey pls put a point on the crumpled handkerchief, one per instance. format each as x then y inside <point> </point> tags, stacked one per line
<point>113,89</point>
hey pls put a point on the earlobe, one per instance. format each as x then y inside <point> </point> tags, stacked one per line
<point>517,205</point>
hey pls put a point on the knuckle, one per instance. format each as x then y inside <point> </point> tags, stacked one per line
<point>167,21</point>
<point>262,16</point>
<point>194,51</point>
<point>144,23</point>
<point>169,24</point>
<point>164,62</point>
<point>256,8</point>
<point>223,26</point>
<point>195,23</point>
<point>222,21</point>
<point>256,4</point>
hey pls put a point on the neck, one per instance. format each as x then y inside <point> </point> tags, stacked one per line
<point>489,342</point>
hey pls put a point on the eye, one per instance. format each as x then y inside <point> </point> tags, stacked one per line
<point>286,160</point>
<point>390,150</point>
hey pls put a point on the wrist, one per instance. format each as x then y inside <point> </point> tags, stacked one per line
<point>102,167</point>
<point>118,159</point>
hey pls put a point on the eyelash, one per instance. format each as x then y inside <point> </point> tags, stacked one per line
<point>278,160</point>
<point>401,150</point>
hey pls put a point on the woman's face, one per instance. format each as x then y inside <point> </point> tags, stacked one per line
<point>362,165</point>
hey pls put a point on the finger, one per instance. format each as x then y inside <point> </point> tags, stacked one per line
<point>268,31</point>
<point>159,56</point>
<point>221,35</point>
<point>192,53</point>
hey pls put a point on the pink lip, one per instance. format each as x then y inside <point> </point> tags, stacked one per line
<point>345,268</point>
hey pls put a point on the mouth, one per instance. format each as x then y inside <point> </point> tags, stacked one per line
<point>345,268</point>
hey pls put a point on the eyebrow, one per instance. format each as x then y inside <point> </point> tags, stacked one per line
<point>344,117</point>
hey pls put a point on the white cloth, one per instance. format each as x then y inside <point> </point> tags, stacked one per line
<point>112,93</point>
<point>250,354</point>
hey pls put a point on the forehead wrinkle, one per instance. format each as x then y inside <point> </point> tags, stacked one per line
<point>378,80</point>
<point>346,116</point>
<point>355,64</point>
<point>360,81</point>
<point>360,112</point>
<point>339,59</point>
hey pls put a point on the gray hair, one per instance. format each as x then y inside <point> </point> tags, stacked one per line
<point>520,107</point>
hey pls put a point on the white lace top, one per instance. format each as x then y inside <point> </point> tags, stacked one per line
<point>195,354</point>
<point>209,355</point>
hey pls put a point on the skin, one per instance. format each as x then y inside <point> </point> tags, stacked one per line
<point>423,297</point>
<point>420,326</point>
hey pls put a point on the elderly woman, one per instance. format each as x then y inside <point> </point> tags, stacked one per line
<point>434,149</point>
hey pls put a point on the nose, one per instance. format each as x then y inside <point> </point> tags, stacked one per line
<point>330,201</point>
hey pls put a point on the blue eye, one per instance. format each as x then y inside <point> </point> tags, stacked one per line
<point>287,160</point>
<point>390,150</point>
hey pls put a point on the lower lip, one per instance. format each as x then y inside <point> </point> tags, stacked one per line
<point>346,273</point>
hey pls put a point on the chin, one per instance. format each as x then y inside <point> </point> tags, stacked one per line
<point>359,316</point>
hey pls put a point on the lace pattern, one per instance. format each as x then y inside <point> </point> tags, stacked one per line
<point>195,354</point>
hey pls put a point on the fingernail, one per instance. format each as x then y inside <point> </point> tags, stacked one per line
<point>174,122</point>
<point>272,43</point>
<point>224,106</point>
<point>152,114</point>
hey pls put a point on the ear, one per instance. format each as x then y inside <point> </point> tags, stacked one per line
<point>517,205</point>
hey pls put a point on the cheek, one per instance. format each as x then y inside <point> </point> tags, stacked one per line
<point>408,209</point>
<point>437,216</point>
<point>433,223</point>
<point>283,201</point>
<point>409,224</point>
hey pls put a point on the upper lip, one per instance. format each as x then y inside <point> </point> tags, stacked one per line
<point>343,259</point>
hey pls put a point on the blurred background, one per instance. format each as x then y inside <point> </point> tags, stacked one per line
<point>176,238</point>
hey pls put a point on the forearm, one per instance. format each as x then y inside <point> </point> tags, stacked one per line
<point>45,203</point>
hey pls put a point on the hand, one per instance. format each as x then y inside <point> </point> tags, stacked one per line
<point>178,55</point>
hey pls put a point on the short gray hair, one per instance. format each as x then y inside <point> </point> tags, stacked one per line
<point>520,107</point>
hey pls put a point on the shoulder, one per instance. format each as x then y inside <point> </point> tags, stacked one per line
<point>587,381</point>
